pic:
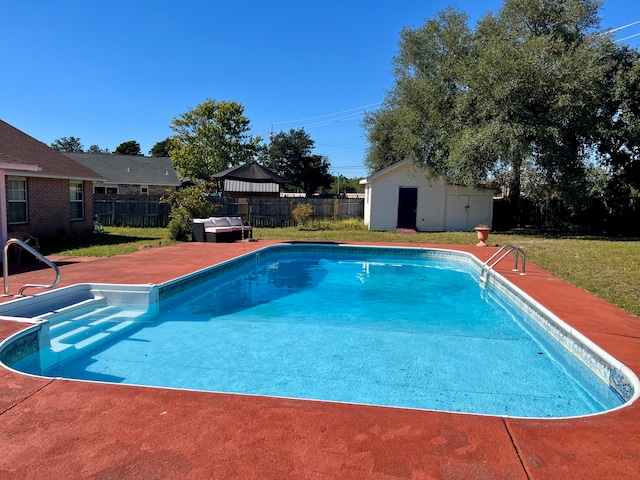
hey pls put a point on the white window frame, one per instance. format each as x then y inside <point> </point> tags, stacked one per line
<point>144,189</point>
<point>76,197</point>
<point>15,201</point>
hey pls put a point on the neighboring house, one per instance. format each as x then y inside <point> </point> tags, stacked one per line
<point>42,192</point>
<point>402,196</point>
<point>129,174</point>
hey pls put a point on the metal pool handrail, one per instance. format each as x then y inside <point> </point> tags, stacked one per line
<point>35,253</point>
<point>507,249</point>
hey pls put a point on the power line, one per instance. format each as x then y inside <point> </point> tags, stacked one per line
<point>328,114</point>
<point>345,118</point>
<point>627,38</point>
<point>620,28</point>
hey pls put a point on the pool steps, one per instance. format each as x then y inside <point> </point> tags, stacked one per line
<point>84,328</point>
<point>64,321</point>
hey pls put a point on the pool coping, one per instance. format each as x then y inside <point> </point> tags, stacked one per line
<point>65,428</point>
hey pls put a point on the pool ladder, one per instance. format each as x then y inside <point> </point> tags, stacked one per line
<point>35,253</point>
<point>505,250</point>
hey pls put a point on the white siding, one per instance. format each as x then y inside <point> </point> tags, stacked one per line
<point>466,208</point>
<point>440,206</point>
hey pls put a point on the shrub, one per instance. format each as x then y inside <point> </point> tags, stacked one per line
<point>187,204</point>
<point>302,213</point>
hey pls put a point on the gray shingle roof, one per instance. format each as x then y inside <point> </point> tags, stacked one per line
<point>130,169</point>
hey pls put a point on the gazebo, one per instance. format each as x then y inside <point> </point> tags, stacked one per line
<point>250,179</point>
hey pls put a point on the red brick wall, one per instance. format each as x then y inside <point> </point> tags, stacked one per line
<point>50,210</point>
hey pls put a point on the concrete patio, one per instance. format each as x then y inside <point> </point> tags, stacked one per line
<point>60,429</point>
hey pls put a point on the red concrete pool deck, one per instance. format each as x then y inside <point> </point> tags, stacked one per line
<point>62,429</point>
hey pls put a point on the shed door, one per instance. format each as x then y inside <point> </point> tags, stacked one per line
<point>464,212</point>
<point>407,207</point>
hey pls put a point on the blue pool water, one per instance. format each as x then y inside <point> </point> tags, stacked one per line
<point>377,328</point>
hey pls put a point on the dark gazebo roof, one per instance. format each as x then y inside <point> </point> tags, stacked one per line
<point>251,172</point>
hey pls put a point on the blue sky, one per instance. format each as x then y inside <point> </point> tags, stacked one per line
<point>109,72</point>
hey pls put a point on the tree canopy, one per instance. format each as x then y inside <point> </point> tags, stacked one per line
<point>289,154</point>
<point>67,144</point>
<point>97,149</point>
<point>529,87</point>
<point>161,148</point>
<point>210,138</point>
<point>128,148</point>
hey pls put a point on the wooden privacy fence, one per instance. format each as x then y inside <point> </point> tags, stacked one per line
<point>276,212</point>
<point>124,211</point>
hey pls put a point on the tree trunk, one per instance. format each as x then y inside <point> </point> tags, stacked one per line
<point>514,190</point>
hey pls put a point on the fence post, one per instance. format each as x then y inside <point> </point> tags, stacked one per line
<point>291,211</point>
<point>336,209</point>
<point>113,211</point>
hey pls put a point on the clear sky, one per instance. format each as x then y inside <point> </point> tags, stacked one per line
<point>112,71</point>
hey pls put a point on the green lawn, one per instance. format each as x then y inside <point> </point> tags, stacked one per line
<point>607,267</point>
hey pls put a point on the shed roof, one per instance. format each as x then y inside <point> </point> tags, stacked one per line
<point>130,169</point>
<point>18,148</point>
<point>384,171</point>
<point>415,168</point>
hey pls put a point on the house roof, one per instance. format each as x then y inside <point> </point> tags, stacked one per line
<point>130,169</point>
<point>19,149</point>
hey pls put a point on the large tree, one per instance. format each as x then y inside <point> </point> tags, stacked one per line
<point>619,131</point>
<point>67,144</point>
<point>526,85</point>
<point>161,148</point>
<point>290,155</point>
<point>210,138</point>
<point>130,147</point>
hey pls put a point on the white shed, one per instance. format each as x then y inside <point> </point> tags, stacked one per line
<point>402,196</point>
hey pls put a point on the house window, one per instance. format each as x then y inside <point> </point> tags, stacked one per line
<point>102,190</point>
<point>17,196</point>
<point>144,190</point>
<point>76,197</point>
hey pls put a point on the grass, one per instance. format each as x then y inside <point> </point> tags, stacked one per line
<point>607,267</point>
<point>114,241</point>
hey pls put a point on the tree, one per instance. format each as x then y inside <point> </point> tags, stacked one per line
<point>619,132</point>
<point>97,149</point>
<point>67,144</point>
<point>161,148</point>
<point>210,138</point>
<point>289,155</point>
<point>186,204</point>
<point>128,148</point>
<point>526,85</point>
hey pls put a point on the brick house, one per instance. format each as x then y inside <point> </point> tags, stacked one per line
<point>129,174</point>
<point>42,192</point>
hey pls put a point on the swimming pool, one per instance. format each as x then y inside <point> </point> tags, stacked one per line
<point>400,327</point>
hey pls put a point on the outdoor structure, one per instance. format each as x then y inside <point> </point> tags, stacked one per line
<point>250,179</point>
<point>402,196</point>
<point>129,174</point>
<point>43,192</point>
